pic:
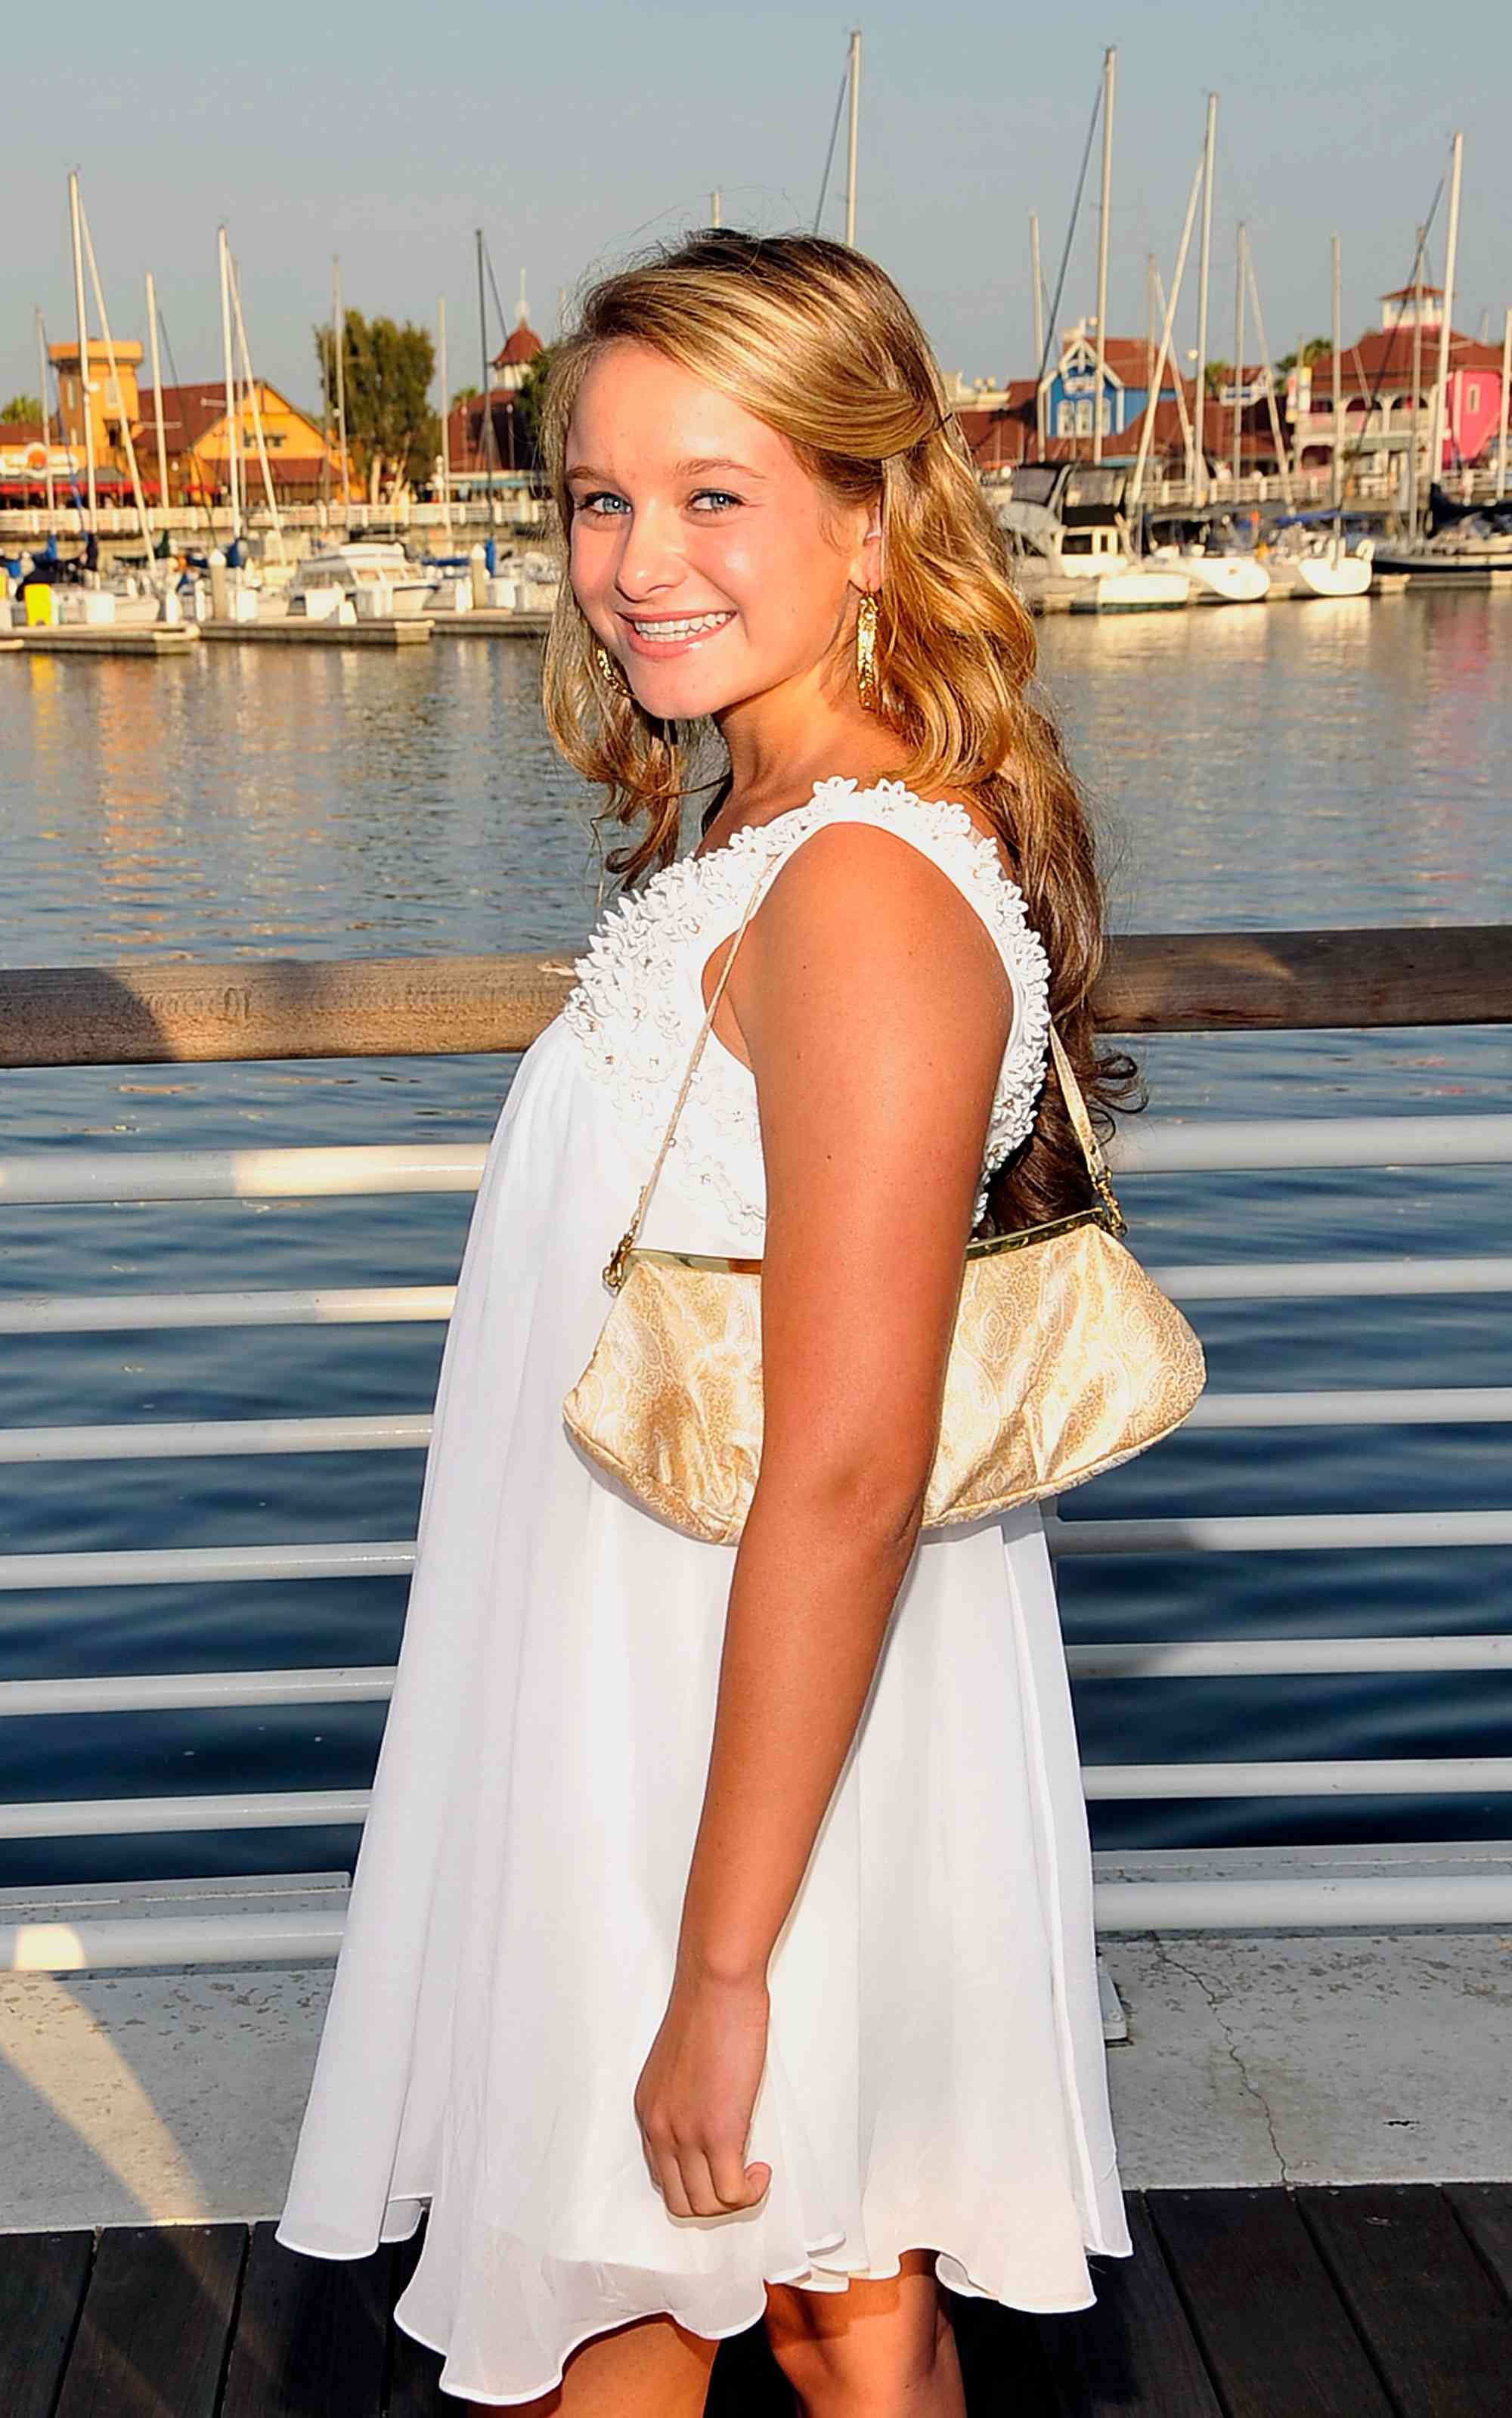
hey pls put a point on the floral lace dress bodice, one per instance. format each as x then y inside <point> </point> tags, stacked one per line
<point>637,1005</point>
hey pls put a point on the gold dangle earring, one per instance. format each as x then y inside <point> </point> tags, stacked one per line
<point>610,671</point>
<point>868,686</point>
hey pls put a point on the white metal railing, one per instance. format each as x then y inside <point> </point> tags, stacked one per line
<point>1213,1147</point>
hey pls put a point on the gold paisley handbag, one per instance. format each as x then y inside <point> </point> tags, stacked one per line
<point>1066,1358</point>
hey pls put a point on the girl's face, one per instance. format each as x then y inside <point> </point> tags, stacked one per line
<point>703,554</point>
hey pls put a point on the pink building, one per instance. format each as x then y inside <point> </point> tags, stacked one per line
<point>1383,406</point>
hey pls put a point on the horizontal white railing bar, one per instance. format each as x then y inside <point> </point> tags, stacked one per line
<point>174,1691</point>
<point>95,1817</point>
<point>172,1439</point>
<point>206,1565</point>
<point>1288,1531</point>
<point>1253,1533</point>
<point>314,1936</point>
<point>298,1937</point>
<point>1355,1407</point>
<point>81,1817</point>
<point>1329,1280</point>
<point>1253,1657</point>
<point>1330,1776</point>
<point>1364,1905</point>
<point>180,1691</point>
<point>102,1313</point>
<point>1212,1145</point>
<point>109,1313</point>
<point>300,1172</point>
<point>408,1432</point>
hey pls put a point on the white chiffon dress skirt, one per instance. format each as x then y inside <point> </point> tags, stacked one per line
<point>936,2072</point>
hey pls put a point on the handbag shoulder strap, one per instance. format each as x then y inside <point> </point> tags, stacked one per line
<point>614,1274</point>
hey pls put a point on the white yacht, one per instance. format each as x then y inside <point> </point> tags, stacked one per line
<point>1064,522</point>
<point>1312,554</point>
<point>1222,570</point>
<point>365,579</point>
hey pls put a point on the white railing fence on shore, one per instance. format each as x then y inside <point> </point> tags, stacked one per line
<point>1216,1145</point>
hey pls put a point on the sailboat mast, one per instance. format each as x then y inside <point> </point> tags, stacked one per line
<point>1199,475</point>
<point>851,138</point>
<point>446,410</point>
<point>83,348</point>
<point>1441,390</point>
<point>1136,484</point>
<point>1239,349</point>
<point>1110,65</point>
<point>485,410</point>
<point>338,338</point>
<point>1336,483</point>
<point>249,391</point>
<point>1507,403</point>
<point>157,396</point>
<point>112,364</point>
<point>47,417</point>
<point>1037,281</point>
<point>1277,437</point>
<point>1417,384</point>
<point>230,379</point>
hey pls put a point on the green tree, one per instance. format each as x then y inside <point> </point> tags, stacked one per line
<point>1316,348</point>
<point>1216,377</point>
<point>464,394</point>
<point>22,407</point>
<point>390,424</point>
<point>530,392</point>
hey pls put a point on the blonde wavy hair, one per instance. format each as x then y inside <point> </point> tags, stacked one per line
<point>816,340</point>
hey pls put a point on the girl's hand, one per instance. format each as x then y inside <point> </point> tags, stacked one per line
<point>696,2094</point>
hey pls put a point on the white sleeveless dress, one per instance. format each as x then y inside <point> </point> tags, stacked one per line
<point>936,2073</point>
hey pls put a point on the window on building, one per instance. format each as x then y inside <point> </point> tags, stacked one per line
<point>1065,419</point>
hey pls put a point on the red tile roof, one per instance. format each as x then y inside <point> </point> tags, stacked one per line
<point>1382,358</point>
<point>521,345</point>
<point>188,413</point>
<point>22,431</point>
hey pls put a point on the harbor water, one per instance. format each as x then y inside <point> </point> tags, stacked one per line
<point>1251,768</point>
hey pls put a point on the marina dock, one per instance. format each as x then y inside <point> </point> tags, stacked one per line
<point>157,640</point>
<point>289,631</point>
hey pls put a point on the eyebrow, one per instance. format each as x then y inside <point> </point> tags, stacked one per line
<point>679,469</point>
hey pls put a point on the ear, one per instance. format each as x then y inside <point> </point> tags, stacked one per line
<point>866,560</point>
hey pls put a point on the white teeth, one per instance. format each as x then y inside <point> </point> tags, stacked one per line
<point>691,629</point>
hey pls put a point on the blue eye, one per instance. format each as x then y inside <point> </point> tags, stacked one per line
<point>720,496</point>
<point>594,502</point>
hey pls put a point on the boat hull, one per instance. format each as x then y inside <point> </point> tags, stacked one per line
<point>1135,592</point>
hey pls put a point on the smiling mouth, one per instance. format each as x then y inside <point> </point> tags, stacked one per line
<point>693,625</point>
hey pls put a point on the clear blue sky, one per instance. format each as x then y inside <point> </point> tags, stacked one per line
<point>388,132</point>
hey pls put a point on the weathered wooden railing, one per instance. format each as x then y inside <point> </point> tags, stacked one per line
<point>135,1014</point>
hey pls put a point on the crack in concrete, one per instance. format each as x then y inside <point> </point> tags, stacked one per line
<point>1253,2088</point>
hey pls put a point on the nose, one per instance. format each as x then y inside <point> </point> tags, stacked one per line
<point>650,555</point>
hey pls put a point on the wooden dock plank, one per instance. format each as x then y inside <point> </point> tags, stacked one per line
<point>310,2335</point>
<point>1277,2340</point>
<point>43,2279</point>
<point>156,2317</point>
<point>1436,2327</point>
<point>1134,2356</point>
<point>1484,2211</point>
